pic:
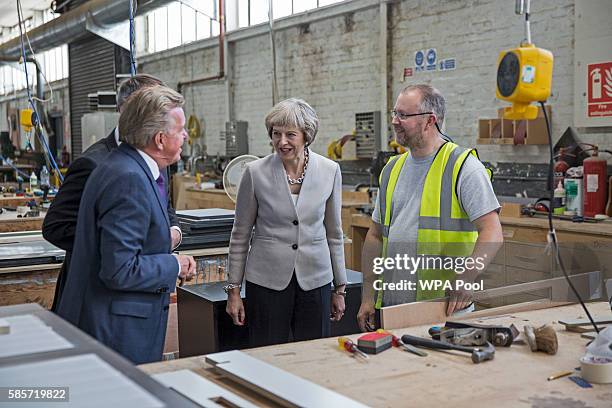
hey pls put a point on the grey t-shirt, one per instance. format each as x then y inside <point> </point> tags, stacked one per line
<point>476,196</point>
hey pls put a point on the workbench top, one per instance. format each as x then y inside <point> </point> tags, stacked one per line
<point>603,228</point>
<point>515,378</point>
<point>594,228</point>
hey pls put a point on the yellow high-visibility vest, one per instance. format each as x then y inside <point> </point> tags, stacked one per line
<point>444,228</point>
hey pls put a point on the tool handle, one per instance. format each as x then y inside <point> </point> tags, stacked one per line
<point>433,344</point>
<point>395,341</point>
<point>423,342</point>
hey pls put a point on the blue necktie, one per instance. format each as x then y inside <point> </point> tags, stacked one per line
<point>161,186</point>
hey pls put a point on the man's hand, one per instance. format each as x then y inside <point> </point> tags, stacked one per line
<point>235,307</point>
<point>176,237</point>
<point>366,318</point>
<point>337,304</point>
<point>458,300</point>
<point>188,266</point>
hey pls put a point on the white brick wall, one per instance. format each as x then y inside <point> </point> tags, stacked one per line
<point>336,65</point>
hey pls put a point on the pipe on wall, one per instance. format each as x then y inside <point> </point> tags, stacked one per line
<point>221,74</point>
<point>71,25</point>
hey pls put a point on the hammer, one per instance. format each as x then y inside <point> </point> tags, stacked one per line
<point>479,354</point>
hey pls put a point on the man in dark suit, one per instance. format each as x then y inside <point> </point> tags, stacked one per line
<point>60,222</point>
<point>122,247</point>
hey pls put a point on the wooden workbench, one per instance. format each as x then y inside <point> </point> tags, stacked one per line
<point>17,201</point>
<point>10,223</point>
<point>515,378</point>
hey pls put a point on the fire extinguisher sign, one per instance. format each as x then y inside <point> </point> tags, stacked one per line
<point>599,86</point>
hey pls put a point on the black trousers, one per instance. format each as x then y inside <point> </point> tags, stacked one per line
<point>272,315</point>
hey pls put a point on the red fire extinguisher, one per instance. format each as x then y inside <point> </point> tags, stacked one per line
<point>595,180</point>
<point>561,166</point>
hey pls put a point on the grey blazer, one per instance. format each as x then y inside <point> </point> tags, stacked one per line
<point>284,237</point>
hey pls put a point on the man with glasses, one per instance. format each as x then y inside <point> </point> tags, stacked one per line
<point>435,200</point>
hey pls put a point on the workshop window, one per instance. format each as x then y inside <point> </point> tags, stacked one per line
<point>54,62</point>
<point>198,20</point>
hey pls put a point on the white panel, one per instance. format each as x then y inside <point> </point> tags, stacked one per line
<point>28,334</point>
<point>277,383</point>
<point>91,382</point>
<point>200,390</point>
<point>593,44</point>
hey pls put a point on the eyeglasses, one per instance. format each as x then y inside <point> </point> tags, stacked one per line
<point>404,116</point>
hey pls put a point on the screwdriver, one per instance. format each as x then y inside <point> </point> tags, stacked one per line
<point>346,344</point>
<point>397,342</point>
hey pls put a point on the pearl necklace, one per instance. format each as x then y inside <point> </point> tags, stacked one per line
<point>300,179</point>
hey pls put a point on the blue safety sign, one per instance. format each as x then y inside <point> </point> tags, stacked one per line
<point>419,57</point>
<point>431,56</point>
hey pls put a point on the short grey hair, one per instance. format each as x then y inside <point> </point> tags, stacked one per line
<point>132,84</point>
<point>431,100</point>
<point>146,113</point>
<point>294,112</point>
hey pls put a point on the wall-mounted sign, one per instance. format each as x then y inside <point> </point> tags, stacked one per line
<point>431,59</point>
<point>427,60</point>
<point>599,89</point>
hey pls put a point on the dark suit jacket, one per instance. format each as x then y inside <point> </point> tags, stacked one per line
<point>60,222</point>
<point>122,252</point>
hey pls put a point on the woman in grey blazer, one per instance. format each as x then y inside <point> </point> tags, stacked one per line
<point>287,240</point>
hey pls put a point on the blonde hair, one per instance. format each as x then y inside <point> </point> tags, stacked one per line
<point>146,112</point>
<point>297,113</point>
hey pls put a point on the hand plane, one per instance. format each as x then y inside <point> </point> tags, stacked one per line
<point>473,334</point>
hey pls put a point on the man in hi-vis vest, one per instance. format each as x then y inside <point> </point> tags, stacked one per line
<point>436,225</point>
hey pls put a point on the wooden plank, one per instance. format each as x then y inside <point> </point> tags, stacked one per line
<point>412,314</point>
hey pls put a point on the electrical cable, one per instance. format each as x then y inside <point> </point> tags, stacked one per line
<point>444,136</point>
<point>552,235</point>
<point>36,118</point>
<point>132,38</point>
<point>42,73</point>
